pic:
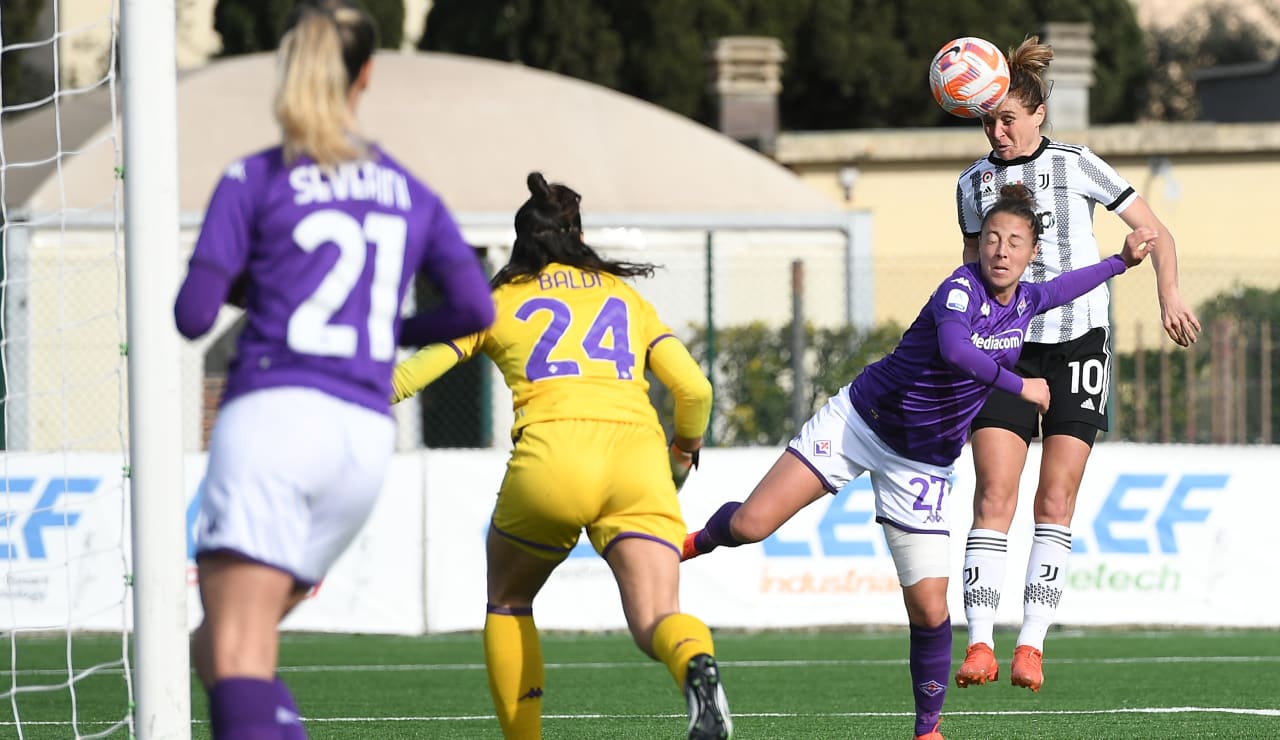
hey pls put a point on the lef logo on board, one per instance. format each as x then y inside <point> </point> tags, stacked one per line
<point>53,505</point>
<point>1144,513</point>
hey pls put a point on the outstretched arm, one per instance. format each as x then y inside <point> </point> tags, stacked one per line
<point>1071,285</point>
<point>1180,322</point>
<point>420,370</point>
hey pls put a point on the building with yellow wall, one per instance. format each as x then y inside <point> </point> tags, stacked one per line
<point>1214,186</point>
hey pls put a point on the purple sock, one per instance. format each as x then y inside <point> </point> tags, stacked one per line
<point>930,671</point>
<point>293,730</point>
<point>245,709</point>
<point>716,530</point>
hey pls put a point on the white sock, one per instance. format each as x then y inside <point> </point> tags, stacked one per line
<point>1046,579</point>
<point>985,553</point>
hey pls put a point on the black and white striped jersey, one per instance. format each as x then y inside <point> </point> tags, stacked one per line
<point>1067,181</point>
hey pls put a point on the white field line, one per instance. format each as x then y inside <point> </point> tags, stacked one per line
<point>770,664</point>
<point>773,715</point>
<point>838,715</point>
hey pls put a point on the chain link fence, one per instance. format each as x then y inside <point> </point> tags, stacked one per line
<point>715,286</point>
<point>782,314</point>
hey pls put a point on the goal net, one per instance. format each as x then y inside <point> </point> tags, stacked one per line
<point>69,599</point>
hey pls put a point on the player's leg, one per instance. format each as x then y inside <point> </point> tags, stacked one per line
<point>999,456</point>
<point>1062,464</point>
<point>1077,411</point>
<point>912,504</point>
<point>819,460</point>
<point>512,649</point>
<point>921,561</point>
<point>789,486</point>
<point>999,441</point>
<point>551,490</point>
<point>291,731</point>
<point>647,572</point>
<point>201,646</point>
<point>1063,458</point>
<point>638,533</point>
<point>648,577</point>
<point>242,604</point>
<point>930,651</point>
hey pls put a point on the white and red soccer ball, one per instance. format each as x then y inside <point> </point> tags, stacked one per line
<point>969,77</point>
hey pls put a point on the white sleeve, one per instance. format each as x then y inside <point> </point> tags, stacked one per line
<point>1103,184</point>
<point>966,207</point>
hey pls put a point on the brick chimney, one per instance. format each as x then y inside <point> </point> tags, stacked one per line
<point>746,78</point>
<point>1070,74</point>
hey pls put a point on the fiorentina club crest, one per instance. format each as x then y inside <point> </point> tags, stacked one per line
<point>822,448</point>
<point>932,688</point>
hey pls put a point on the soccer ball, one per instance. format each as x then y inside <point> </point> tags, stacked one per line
<point>969,77</point>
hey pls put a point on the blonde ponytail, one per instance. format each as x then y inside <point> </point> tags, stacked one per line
<point>311,93</point>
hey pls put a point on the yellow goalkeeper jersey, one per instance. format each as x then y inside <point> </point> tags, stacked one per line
<point>574,344</point>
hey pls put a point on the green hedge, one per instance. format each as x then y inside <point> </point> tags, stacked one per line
<point>753,377</point>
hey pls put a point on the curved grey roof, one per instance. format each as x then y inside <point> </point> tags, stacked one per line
<point>471,128</point>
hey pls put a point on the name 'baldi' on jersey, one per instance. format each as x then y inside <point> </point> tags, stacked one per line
<point>571,323</point>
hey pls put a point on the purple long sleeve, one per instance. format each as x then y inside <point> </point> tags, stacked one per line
<point>453,268</point>
<point>1071,285</point>
<point>958,351</point>
<point>467,308</point>
<point>201,295</point>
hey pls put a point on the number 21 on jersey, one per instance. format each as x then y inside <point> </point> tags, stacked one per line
<point>310,331</point>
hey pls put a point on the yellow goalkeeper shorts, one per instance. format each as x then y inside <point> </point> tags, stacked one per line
<point>612,478</point>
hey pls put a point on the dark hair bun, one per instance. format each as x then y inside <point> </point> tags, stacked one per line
<point>1017,191</point>
<point>538,187</point>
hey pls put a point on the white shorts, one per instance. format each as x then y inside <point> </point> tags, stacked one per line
<point>839,446</point>
<point>293,474</point>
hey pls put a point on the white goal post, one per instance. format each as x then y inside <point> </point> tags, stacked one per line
<point>148,87</point>
<point>93,505</point>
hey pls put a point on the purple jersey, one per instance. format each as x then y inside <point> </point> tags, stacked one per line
<point>325,258</point>
<point>919,400</point>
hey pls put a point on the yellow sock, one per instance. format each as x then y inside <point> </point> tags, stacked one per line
<point>513,655</point>
<point>677,639</point>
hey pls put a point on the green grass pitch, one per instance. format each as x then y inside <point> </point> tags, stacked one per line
<point>804,684</point>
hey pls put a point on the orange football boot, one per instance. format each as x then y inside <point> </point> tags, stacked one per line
<point>979,666</point>
<point>1028,668</point>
